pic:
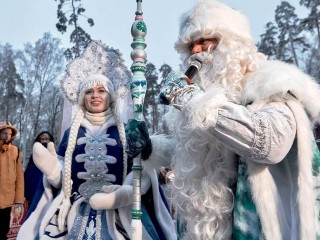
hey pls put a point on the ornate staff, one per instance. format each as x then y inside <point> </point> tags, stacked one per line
<point>138,90</point>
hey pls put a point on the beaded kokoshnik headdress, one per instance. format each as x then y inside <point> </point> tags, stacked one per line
<point>99,59</point>
<point>97,65</point>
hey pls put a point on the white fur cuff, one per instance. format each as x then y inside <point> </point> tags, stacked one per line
<point>162,151</point>
<point>202,110</point>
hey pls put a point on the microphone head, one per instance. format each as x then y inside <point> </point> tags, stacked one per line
<point>196,63</point>
<point>193,69</point>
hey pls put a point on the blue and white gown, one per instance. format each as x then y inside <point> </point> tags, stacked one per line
<point>97,161</point>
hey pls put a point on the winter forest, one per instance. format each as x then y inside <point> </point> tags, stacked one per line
<point>29,88</point>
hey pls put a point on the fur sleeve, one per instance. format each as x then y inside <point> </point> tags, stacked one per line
<point>275,77</point>
<point>162,151</point>
<point>203,108</point>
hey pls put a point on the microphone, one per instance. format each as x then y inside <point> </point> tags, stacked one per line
<point>193,69</point>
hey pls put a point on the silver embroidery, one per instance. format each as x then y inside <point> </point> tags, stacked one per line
<point>79,225</point>
<point>98,224</point>
<point>95,161</point>
<point>262,139</point>
<point>91,230</point>
<point>81,231</point>
<point>84,220</point>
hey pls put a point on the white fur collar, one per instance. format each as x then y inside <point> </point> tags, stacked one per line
<point>275,77</point>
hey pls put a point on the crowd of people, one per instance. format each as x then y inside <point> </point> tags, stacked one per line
<point>238,157</point>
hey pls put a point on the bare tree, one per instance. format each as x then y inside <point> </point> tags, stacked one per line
<point>51,118</point>
<point>11,86</point>
<point>40,66</point>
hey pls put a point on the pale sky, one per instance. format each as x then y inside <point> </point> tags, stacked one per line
<point>23,21</point>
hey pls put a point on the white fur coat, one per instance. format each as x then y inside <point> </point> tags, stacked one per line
<point>277,84</point>
<point>277,78</point>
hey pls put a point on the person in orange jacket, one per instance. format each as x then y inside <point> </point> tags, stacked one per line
<point>11,176</point>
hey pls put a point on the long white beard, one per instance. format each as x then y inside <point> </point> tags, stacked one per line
<point>204,169</point>
<point>203,173</point>
<point>212,66</point>
<point>221,69</point>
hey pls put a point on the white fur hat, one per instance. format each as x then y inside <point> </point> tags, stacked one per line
<point>209,18</point>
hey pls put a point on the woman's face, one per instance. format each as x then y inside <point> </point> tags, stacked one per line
<point>96,99</point>
<point>44,138</point>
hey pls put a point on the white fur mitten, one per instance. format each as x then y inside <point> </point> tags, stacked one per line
<point>116,196</point>
<point>113,196</point>
<point>46,160</point>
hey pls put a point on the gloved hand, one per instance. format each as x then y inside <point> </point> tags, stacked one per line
<point>138,140</point>
<point>47,161</point>
<point>178,90</point>
<point>116,196</point>
<point>112,197</point>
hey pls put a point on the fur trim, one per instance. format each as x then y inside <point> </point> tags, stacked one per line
<point>4,125</point>
<point>30,228</point>
<point>209,19</point>
<point>275,77</point>
<point>202,109</point>
<point>163,216</point>
<point>306,196</point>
<point>162,151</point>
<point>264,189</point>
<point>264,196</point>
<point>73,212</point>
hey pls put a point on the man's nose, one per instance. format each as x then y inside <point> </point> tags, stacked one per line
<point>196,49</point>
